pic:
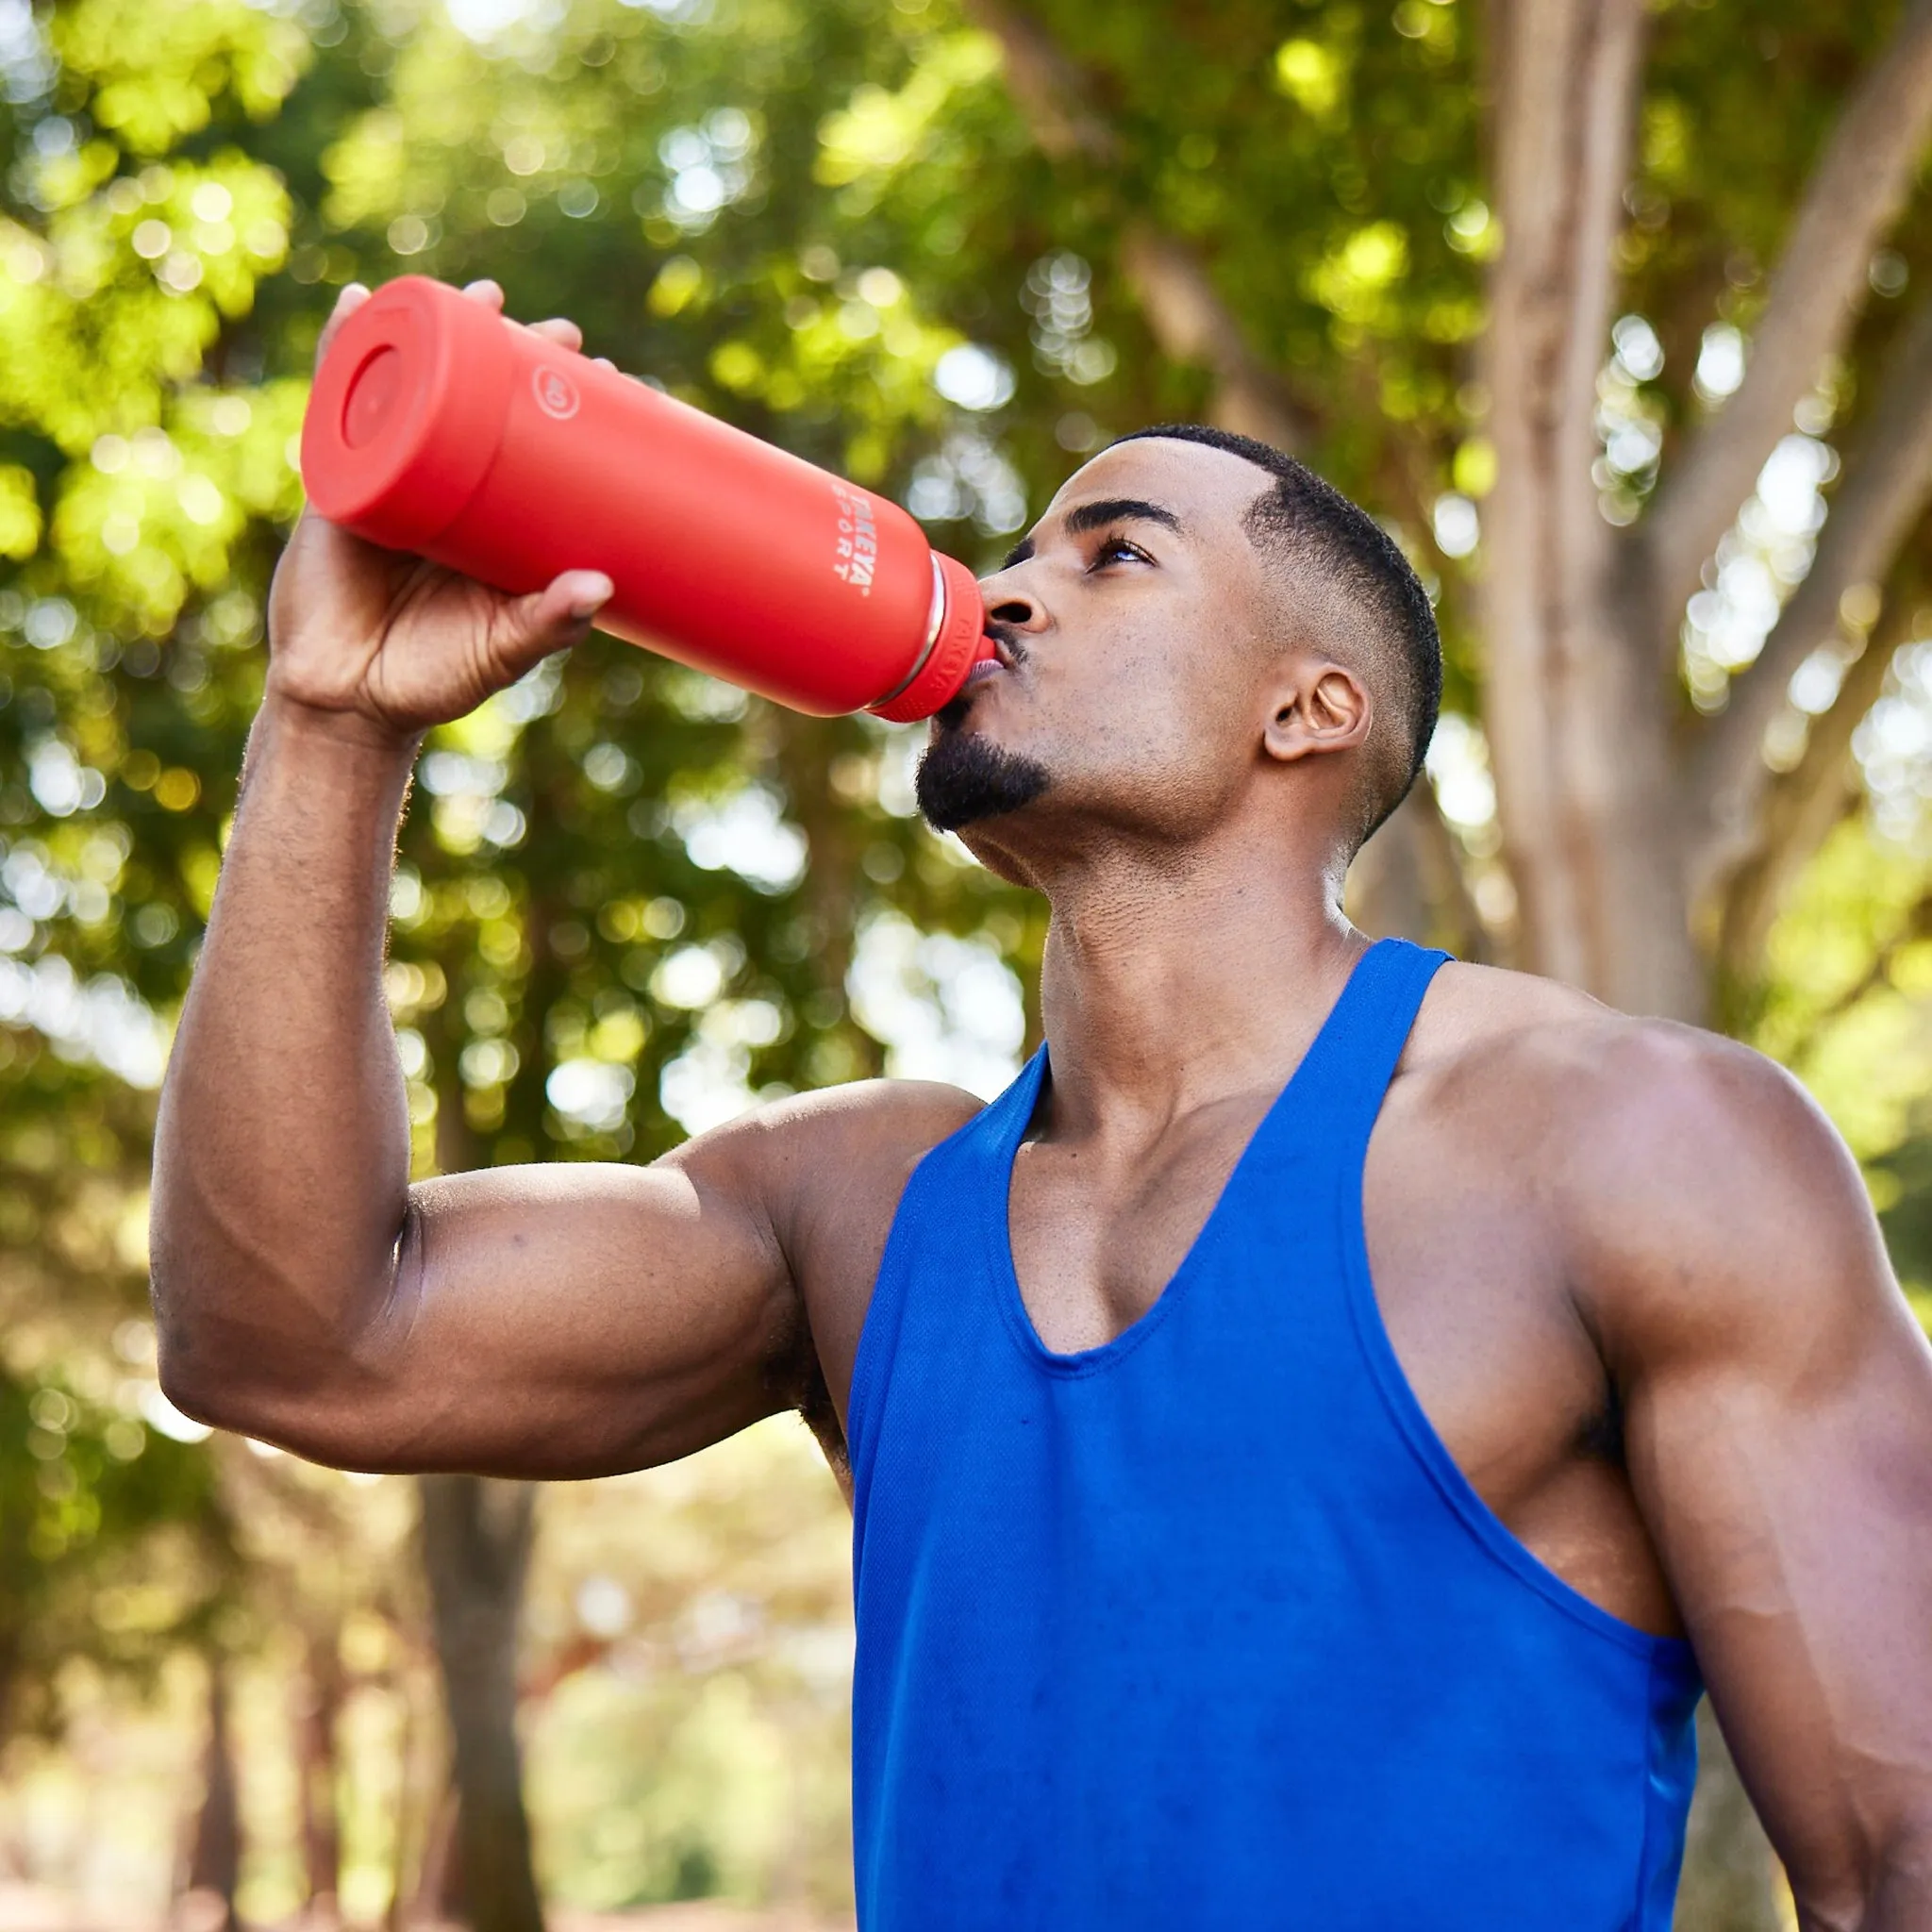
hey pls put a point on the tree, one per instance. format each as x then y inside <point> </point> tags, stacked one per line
<point>1605,307</point>
<point>477,1550</point>
<point>604,925</point>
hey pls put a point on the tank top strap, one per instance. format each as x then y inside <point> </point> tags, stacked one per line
<point>1331,1102</point>
<point>997,1132</point>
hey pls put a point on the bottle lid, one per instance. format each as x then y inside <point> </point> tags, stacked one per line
<point>407,412</point>
<point>958,643</point>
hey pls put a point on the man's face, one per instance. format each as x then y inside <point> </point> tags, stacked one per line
<point>1129,623</point>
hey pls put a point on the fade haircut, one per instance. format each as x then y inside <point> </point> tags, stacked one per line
<point>1318,537</point>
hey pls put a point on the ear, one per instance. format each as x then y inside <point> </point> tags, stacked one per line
<point>1316,705</point>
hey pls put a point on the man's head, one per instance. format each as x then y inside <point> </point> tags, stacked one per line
<point>1195,616</point>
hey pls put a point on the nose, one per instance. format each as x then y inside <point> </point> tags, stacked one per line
<point>1009,604</point>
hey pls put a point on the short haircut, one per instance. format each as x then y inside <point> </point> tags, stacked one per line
<point>1311,526</point>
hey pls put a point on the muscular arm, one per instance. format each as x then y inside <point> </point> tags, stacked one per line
<point>554,1321</point>
<point>1778,1427</point>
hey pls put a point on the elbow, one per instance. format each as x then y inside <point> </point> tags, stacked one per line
<point>205,1371</point>
<point>207,1387</point>
<point>182,1352</point>
<point>253,1378</point>
<point>326,1407</point>
<point>288,1355</point>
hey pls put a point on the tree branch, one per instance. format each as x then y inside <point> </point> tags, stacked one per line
<point>1856,193</point>
<point>1886,484</point>
<point>1184,311</point>
<point>1802,805</point>
<point>1054,95</point>
<point>1187,318</point>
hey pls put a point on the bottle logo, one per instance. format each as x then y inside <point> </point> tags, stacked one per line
<point>856,546</point>
<point>557,395</point>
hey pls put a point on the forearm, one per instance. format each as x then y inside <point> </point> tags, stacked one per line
<point>1898,1894</point>
<point>281,1174</point>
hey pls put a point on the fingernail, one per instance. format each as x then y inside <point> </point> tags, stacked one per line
<point>592,596</point>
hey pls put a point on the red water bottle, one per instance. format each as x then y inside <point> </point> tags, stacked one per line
<point>437,426</point>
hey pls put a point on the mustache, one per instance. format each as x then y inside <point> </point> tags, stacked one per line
<point>1008,638</point>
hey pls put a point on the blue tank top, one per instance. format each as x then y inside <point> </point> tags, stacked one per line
<point>1204,1627</point>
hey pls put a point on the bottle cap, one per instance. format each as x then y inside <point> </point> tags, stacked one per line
<point>406,413</point>
<point>958,643</point>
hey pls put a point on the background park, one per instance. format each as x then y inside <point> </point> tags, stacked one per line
<point>1619,314</point>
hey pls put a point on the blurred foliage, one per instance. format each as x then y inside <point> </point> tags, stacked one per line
<point>692,1733</point>
<point>630,900</point>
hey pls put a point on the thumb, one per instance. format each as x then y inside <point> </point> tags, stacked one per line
<point>551,619</point>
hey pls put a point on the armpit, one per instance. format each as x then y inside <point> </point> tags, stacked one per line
<point>798,1382</point>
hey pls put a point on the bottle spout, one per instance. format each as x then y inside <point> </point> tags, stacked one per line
<point>959,642</point>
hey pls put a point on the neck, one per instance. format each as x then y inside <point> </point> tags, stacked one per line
<point>1169,987</point>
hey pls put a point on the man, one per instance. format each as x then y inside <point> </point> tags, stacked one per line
<point>1301,1435</point>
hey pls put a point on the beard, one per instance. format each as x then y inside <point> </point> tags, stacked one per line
<point>962,778</point>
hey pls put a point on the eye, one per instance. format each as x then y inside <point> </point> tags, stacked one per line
<point>1112,549</point>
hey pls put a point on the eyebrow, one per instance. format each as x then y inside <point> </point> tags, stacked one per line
<point>1097,515</point>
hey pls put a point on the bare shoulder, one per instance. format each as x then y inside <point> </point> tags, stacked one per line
<point>1693,1179</point>
<point>823,1173</point>
<point>1640,1088</point>
<point>859,1134</point>
<point>826,1170</point>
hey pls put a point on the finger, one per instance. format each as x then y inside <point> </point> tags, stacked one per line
<point>559,331</point>
<point>581,593</point>
<point>351,299</point>
<point>605,362</point>
<point>484,291</point>
<point>551,619</point>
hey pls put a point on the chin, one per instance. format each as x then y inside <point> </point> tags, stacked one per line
<point>967,777</point>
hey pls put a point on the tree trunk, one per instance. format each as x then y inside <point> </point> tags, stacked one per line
<point>1577,714</point>
<point>439,1878</point>
<point>1578,708</point>
<point>214,1864</point>
<point>1408,883</point>
<point>322,1702</point>
<point>477,1536</point>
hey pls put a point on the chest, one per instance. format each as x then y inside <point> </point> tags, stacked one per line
<point>1467,1272</point>
<point>1467,1279</point>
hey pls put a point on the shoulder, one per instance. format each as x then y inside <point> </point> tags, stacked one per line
<point>1628,1087</point>
<point>824,1171</point>
<point>864,1132</point>
<point>1692,1180</point>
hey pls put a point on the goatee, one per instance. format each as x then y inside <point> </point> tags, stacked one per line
<point>963,779</point>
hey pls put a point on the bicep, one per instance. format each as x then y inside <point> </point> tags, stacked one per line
<point>1778,1412</point>
<point>569,1319</point>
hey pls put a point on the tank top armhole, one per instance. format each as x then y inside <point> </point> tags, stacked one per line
<point>968,1147</point>
<point>1411,1423</point>
<point>872,1360</point>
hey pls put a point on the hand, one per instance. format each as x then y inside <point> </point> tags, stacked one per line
<point>399,641</point>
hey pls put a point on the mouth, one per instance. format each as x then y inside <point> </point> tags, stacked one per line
<point>1007,656</point>
<point>1004,660</point>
